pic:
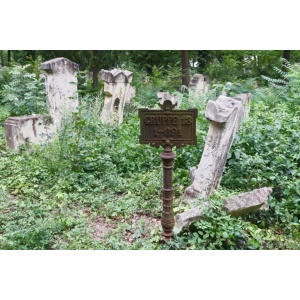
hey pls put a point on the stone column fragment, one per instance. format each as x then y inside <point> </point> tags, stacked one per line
<point>248,202</point>
<point>199,85</point>
<point>61,87</point>
<point>225,115</point>
<point>118,91</point>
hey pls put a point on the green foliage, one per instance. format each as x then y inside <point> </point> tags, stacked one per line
<point>22,92</point>
<point>51,194</point>
<point>4,114</point>
<point>286,88</point>
<point>265,153</point>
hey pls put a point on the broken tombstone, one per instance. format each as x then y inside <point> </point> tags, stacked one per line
<point>225,116</point>
<point>118,91</point>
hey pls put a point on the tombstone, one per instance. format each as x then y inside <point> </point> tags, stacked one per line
<point>226,86</point>
<point>198,85</point>
<point>61,87</point>
<point>31,129</point>
<point>245,203</point>
<point>225,115</point>
<point>62,99</point>
<point>118,92</point>
<point>249,202</point>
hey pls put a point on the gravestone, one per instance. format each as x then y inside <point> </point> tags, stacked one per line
<point>198,85</point>
<point>118,91</point>
<point>61,87</point>
<point>225,115</point>
<point>249,202</point>
<point>32,129</point>
<point>245,203</point>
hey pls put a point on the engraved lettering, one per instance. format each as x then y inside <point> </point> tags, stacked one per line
<point>147,120</point>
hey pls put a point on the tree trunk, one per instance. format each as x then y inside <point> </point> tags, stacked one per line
<point>287,54</point>
<point>8,57</point>
<point>95,67</point>
<point>116,58</point>
<point>2,58</point>
<point>185,67</point>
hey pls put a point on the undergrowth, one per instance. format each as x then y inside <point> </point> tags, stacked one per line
<point>52,194</point>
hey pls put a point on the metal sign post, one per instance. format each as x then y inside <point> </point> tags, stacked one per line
<point>168,128</point>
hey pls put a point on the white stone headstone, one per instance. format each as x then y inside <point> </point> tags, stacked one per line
<point>61,87</point>
<point>199,85</point>
<point>118,91</point>
<point>225,116</point>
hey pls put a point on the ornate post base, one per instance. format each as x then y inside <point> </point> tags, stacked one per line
<point>167,220</point>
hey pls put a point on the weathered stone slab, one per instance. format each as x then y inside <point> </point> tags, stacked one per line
<point>199,85</point>
<point>118,91</point>
<point>32,129</point>
<point>244,203</point>
<point>225,115</point>
<point>61,87</point>
<point>248,202</point>
<point>188,217</point>
<point>163,96</point>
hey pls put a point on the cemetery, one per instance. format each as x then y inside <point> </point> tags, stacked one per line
<point>137,163</point>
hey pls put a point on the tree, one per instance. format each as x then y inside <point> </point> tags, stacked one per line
<point>185,64</point>
<point>2,58</point>
<point>95,66</point>
<point>287,54</point>
<point>8,57</point>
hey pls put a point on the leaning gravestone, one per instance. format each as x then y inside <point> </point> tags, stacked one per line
<point>61,87</point>
<point>118,91</point>
<point>225,115</point>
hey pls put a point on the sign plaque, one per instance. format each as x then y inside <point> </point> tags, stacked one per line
<point>177,126</point>
<point>168,128</point>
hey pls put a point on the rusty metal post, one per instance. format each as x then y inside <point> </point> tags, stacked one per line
<point>168,128</point>
<point>168,219</point>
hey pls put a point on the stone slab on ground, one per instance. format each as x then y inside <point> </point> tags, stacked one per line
<point>244,203</point>
<point>248,202</point>
<point>188,217</point>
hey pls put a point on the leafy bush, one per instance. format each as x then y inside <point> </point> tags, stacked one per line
<point>22,92</point>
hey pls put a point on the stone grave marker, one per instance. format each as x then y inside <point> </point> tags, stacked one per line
<point>199,85</point>
<point>118,91</point>
<point>225,116</point>
<point>27,129</point>
<point>61,87</point>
